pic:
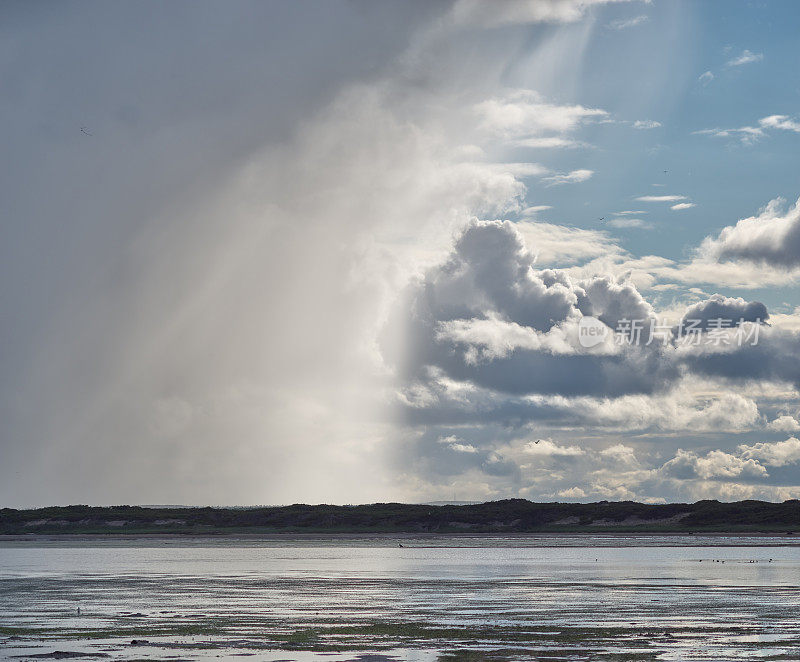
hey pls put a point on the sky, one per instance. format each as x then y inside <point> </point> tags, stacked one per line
<point>348,251</point>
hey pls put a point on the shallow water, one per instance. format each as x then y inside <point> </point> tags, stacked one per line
<point>367,598</point>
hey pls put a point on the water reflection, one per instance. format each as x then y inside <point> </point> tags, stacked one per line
<point>560,597</point>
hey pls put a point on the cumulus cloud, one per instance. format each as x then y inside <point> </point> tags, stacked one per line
<point>732,310</point>
<point>547,447</point>
<point>544,468</point>
<point>572,493</point>
<point>621,453</point>
<point>448,402</point>
<point>770,238</point>
<point>456,444</point>
<point>492,337</point>
<point>715,464</point>
<point>611,300</point>
<point>491,270</point>
<point>784,423</point>
<point>672,411</point>
<point>756,252</point>
<point>774,356</point>
<point>488,317</point>
<point>746,57</point>
<point>775,454</point>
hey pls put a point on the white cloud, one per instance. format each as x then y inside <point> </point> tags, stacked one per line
<point>523,113</point>
<point>746,134</point>
<point>715,464</point>
<point>682,205</point>
<point>652,271</point>
<point>628,222</point>
<point>770,238</point>
<point>705,78</point>
<point>784,423</point>
<point>646,124</point>
<point>547,447</point>
<point>783,122</point>
<point>457,444</point>
<point>746,57</point>
<point>675,411</point>
<point>622,454</point>
<point>494,338</point>
<point>625,23</point>
<point>521,12</point>
<point>551,142</point>
<point>559,245</point>
<point>572,177</point>
<point>661,198</point>
<point>534,210</point>
<point>572,493</point>
<point>749,135</point>
<point>776,454</point>
<point>519,169</point>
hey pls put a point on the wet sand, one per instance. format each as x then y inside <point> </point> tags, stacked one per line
<point>365,598</point>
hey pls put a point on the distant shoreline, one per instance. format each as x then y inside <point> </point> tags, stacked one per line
<point>356,535</point>
<point>505,518</point>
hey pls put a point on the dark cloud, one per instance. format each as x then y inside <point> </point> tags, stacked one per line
<point>731,310</point>
<point>611,301</point>
<point>482,351</point>
<point>772,238</point>
<point>489,278</point>
<point>775,357</point>
<point>130,253</point>
<point>491,271</point>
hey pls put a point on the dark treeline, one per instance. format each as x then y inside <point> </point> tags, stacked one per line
<point>512,515</point>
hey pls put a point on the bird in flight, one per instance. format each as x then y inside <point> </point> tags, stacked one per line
<point>84,131</point>
<point>537,441</point>
<point>602,218</point>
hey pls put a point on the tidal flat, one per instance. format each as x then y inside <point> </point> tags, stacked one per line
<point>382,598</point>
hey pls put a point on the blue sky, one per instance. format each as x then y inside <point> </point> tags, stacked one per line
<point>342,251</point>
<point>651,70</point>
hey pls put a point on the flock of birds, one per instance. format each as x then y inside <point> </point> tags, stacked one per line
<point>723,560</point>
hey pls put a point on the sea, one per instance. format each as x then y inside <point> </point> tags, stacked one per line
<point>384,598</point>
